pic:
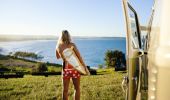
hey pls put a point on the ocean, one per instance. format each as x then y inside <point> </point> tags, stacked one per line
<point>92,49</point>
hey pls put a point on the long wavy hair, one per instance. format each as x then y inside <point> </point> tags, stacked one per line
<point>64,38</point>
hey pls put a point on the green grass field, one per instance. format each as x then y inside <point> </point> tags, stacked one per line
<point>106,86</point>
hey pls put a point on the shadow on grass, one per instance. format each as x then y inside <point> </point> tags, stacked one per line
<point>122,72</point>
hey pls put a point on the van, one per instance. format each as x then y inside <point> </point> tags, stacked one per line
<point>148,56</point>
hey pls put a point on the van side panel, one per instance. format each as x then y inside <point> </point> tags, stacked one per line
<point>159,52</point>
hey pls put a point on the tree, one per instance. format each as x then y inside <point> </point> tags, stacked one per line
<point>109,58</point>
<point>114,58</point>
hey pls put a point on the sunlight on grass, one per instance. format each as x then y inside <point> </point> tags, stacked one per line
<point>94,87</point>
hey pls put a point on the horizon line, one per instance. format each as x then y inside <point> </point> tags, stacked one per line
<point>55,35</point>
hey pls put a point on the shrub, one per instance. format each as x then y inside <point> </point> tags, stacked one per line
<point>113,58</point>
<point>109,58</point>
<point>41,67</point>
<point>2,68</point>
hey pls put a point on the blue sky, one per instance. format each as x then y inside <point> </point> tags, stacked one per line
<point>79,17</point>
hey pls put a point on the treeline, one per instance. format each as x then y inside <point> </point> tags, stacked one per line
<point>21,54</point>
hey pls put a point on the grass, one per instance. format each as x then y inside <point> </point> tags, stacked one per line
<point>20,64</point>
<point>106,86</point>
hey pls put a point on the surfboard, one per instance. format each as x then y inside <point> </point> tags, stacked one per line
<point>71,57</point>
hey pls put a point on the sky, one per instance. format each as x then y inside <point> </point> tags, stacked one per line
<point>101,18</point>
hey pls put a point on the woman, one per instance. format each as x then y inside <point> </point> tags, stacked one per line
<point>68,71</point>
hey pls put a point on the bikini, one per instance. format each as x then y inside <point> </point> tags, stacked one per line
<point>69,71</point>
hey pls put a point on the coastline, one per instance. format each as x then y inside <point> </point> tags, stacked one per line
<point>8,38</point>
<point>25,65</point>
<point>46,48</point>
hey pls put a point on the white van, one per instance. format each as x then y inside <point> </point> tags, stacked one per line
<point>149,64</point>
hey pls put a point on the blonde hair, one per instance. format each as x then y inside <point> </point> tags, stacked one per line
<point>64,38</point>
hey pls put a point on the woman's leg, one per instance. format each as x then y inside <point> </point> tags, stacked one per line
<point>65,88</point>
<point>76,82</point>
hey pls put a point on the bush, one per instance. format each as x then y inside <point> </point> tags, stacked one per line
<point>109,58</point>
<point>114,58</point>
<point>41,67</point>
<point>2,69</point>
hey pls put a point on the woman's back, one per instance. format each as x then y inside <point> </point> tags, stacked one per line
<point>63,46</point>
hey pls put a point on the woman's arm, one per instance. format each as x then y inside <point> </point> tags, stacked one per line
<point>57,52</point>
<point>81,59</point>
<point>57,55</point>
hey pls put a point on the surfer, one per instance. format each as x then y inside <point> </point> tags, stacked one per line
<point>68,71</point>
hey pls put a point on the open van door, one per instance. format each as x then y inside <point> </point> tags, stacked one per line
<point>133,51</point>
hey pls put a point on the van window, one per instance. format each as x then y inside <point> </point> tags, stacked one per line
<point>134,27</point>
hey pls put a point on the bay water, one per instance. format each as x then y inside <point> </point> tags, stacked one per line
<point>92,49</point>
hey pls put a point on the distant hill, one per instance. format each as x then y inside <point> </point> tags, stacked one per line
<point>46,37</point>
<point>26,37</point>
